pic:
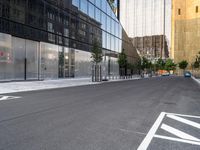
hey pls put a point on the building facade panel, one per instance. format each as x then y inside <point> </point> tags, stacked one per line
<point>51,31</point>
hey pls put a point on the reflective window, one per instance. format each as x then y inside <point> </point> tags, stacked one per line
<point>98,15</point>
<point>112,43</point>
<point>103,20</point>
<point>104,5</point>
<point>93,1</point>
<point>113,27</point>
<point>116,29</point>
<point>91,10</point>
<point>75,3</point>
<point>116,45</point>
<point>66,32</point>
<point>120,46</point>
<point>50,27</point>
<point>98,3</point>
<point>108,41</point>
<point>104,38</point>
<point>108,24</point>
<point>83,6</point>
<point>109,11</point>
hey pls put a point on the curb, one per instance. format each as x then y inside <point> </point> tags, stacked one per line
<point>198,81</point>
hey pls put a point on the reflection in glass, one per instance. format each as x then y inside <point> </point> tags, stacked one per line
<point>19,58</point>
<point>83,64</point>
<point>83,6</point>
<point>32,59</point>
<point>49,61</point>
<point>91,10</point>
<point>75,3</point>
<point>6,57</point>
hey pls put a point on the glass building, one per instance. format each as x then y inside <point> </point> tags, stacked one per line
<point>49,39</point>
<point>147,18</point>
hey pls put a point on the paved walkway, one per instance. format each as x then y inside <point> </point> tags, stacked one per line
<point>13,87</point>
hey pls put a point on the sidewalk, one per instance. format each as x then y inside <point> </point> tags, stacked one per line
<point>13,87</point>
<point>197,80</point>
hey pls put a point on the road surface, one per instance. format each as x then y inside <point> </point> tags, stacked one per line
<point>108,116</point>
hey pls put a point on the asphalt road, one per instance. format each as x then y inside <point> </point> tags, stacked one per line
<point>108,116</point>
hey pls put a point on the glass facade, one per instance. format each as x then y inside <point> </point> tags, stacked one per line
<point>39,38</point>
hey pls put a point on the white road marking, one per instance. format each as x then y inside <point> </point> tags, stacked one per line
<point>188,122</point>
<point>177,139</point>
<point>145,143</point>
<point>179,133</point>
<point>3,97</point>
<point>189,116</point>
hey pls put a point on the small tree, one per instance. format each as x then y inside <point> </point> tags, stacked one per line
<point>138,66</point>
<point>196,64</point>
<point>183,64</point>
<point>97,57</point>
<point>197,61</point>
<point>145,63</point>
<point>97,54</point>
<point>122,61</point>
<point>170,65</point>
<point>160,64</point>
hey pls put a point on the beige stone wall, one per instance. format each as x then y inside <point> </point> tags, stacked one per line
<point>185,30</point>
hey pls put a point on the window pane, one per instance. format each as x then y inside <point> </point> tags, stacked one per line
<point>103,20</point>
<point>104,39</point>
<point>108,24</point>
<point>93,1</point>
<point>98,15</point>
<point>75,3</point>
<point>98,3</point>
<point>104,5</point>
<point>84,6</point>
<point>91,10</point>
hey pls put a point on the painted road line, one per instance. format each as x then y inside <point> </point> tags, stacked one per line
<point>185,121</point>
<point>179,133</point>
<point>189,116</point>
<point>3,97</point>
<point>145,143</point>
<point>177,140</point>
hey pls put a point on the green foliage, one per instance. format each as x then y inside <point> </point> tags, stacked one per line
<point>122,60</point>
<point>145,63</point>
<point>170,65</point>
<point>130,66</point>
<point>183,64</point>
<point>97,54</point>
<point>160,64</point>
<point>196,64</point>
<point>138,65</point>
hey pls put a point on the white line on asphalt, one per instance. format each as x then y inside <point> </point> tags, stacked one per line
<point>189,116</point>
<point>3,98</point>
<point>177,139</point>
<point>179,133</point>
<point>145,143</point>
<point>188,122</point>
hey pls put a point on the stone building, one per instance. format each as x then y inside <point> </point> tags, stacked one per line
<point>185,30</point>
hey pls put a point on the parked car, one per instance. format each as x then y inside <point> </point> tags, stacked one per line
<point>187,74</point>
